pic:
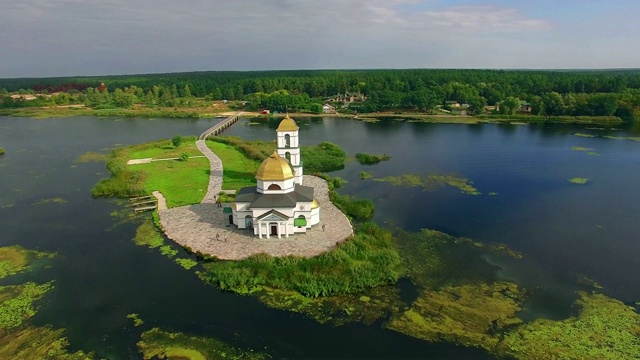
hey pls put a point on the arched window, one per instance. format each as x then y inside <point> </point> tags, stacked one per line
<point>287,140</point>
<point>288,156</point>
<point>300,221</point>
<point>274,187</point>
<point>248,221</point>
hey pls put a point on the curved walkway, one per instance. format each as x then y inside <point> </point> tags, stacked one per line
<point>215,174</point>
<point>203,227</point>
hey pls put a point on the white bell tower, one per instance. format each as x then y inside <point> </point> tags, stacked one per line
<point>289,146</point>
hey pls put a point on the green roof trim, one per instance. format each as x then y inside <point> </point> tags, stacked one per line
<point>299,222</point>
<point>227,210</point>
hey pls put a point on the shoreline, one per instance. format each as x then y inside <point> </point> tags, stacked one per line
<point>196,113</point>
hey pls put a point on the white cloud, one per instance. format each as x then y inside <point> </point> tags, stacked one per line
<point>484,18</point>
<point>65,37</point>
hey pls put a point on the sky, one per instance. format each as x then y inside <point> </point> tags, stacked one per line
<point>48,38</point>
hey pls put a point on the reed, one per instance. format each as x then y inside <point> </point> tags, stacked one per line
<point>366,260</point>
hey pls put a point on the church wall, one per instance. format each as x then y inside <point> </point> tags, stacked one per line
<point>241,206</point>
<point>286,186</point>
<point>239,218</point>
<point>293,139</point>
<point>315,217</point>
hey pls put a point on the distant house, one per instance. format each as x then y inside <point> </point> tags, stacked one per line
<point>24,97</point>
<point>525,107</point>
<point>328,109</point>
<point>347,98</point>
<point>452,103</point>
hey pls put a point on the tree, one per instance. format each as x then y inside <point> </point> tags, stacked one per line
<point>603,104</point>
<point>186,91</point>
<point>476,104</point>
<point>537,105</point>
<point>316,108</point>
<point>177,140</point>
<point>510,105</point>
<point>553,103</point>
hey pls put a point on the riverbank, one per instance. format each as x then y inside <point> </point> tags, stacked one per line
<point>213,111</point>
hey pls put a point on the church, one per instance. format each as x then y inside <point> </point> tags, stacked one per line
<point>279,206</point>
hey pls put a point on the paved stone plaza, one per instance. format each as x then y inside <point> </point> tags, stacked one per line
<point>203,227</point>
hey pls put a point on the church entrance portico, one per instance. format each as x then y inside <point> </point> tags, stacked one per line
<point>273,223</point>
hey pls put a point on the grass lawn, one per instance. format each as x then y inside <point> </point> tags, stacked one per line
<point>239,171</point>
<point>167,150</point>
<point>181,182</point>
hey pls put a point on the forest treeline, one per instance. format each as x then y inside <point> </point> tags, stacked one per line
<point>578,93</point>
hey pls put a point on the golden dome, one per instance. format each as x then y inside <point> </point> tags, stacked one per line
<point>315,204</point>
<point>275,168</point>
<point>287,124</point>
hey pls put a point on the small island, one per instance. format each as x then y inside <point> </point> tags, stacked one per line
<point>292,218</point>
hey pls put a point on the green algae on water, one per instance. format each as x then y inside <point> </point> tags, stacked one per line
<point>160,344</point>
<point>168,251</point>
<point>186,263</point>
<point>589,151</point>
<point>378,304</point>
<point>91,157</point>
<point>16,259</point>
<point>136,319</point>
<point>580,148</point>
<point>584,135</point>
<point>633,138</point>
<point>56,200</point>
<point>365,175</point>
<point>19,340</point>
<point>467,314</point>
<point>578,180</point>
<point>147,235</point>
<point>432,182</point>
<point>605,328</point>
<point>17,303</point>
<point>38,343</point>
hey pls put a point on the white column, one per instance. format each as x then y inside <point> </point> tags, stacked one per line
<point>260,230</point>
<point>268,231</point>
<point>286,230</point>
<point>279,230</point>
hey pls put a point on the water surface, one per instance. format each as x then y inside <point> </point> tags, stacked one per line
<point>564,230</point>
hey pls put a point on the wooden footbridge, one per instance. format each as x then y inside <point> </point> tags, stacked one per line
<point>221,126</point>
<point>143,203</point>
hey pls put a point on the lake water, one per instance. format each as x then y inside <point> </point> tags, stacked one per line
<point>564,230</point>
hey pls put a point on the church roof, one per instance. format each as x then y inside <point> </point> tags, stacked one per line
<point>275,168</point>
<point>301,194</point>
<point>315,204</point>
<point>287,124</point>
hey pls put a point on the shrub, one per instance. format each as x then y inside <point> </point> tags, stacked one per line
<point>323,157</point>
<point>358,209</point>
<point>184,157</point>
<point>366,260</point>
<point>1,151</point>
<point>370,159</point>
<point>177,140</point>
